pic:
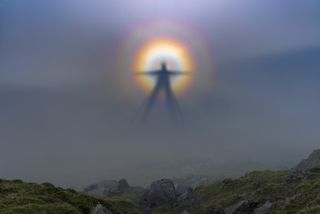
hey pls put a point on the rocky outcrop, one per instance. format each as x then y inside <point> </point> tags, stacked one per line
<point>313,161</point>
<point>99,209</point>
<point>111,188</point>
<point>162,193</point>
<point>165,194</point>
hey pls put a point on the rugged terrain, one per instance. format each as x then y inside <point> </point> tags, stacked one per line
<point>294,190</point>
<point>17,197</point>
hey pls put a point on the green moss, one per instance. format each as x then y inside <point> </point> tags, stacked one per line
<point>60,208</point>
<point>122,205</point>
<point>27,198</point>
<point>133,197</point>
<point>290,192</point>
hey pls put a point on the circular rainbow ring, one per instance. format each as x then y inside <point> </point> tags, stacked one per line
<point>176,43</point>
<point>170,51</point>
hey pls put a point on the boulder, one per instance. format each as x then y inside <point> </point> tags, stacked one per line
<point>313,161</point>
<point>162,193</point>
<point>186,193</point>
<point>123,185</point>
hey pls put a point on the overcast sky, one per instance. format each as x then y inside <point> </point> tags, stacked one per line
<point>66,115</point>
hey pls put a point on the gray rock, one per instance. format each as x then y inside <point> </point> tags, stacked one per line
<point>264,208</point>
<point>162,193</point>
<point>123,185</point>
<point>99,209</point>
<point>182,189</point>
<point>312,161</point>
<point>185,193</point>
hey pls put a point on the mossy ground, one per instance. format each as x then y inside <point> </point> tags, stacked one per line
<point>17,197</point>
<point>290,192</point>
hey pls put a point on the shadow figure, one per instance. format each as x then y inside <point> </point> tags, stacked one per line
<point>162,85</point>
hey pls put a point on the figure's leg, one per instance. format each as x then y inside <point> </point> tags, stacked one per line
<point>172,103</point>
<point>170,100</point>
<point>151,101</point>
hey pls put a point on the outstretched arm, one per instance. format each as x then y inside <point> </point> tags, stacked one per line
<point>150,73</point>
<point>177,73</point>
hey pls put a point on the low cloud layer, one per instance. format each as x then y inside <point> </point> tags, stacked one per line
<point>67,118</point>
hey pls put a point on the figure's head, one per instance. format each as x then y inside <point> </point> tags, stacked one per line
<point>163,66</point>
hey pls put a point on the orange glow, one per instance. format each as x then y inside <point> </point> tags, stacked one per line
<point>174,53</point>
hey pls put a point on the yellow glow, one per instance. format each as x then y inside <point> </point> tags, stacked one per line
<point>174,53</point>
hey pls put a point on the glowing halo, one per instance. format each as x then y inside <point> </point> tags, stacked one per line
<point>174,53</point>
<point>177,43</point>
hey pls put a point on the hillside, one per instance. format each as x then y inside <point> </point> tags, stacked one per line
<point>264,192</point>
<point>257,192</point>
<point>17,197</point>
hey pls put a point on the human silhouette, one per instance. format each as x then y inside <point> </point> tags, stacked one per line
<point>162,85</point>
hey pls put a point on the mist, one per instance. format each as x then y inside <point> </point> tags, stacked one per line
<point>68,117</point>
